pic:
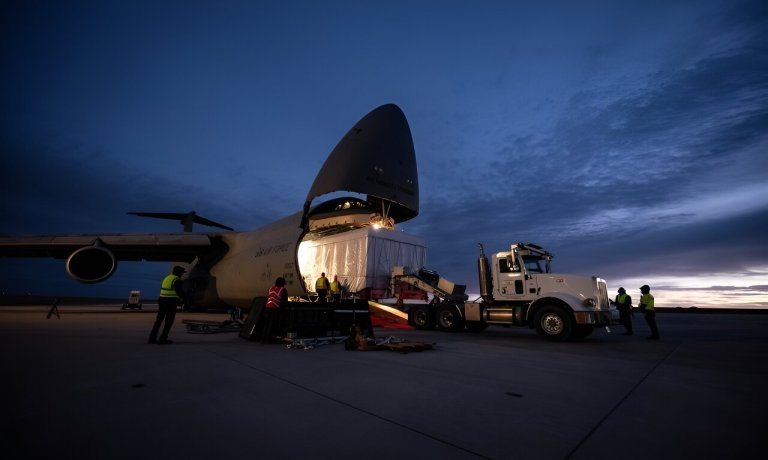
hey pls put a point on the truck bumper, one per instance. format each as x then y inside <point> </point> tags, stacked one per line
<point>595,318</point>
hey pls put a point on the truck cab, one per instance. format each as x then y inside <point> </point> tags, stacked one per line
<point>519,284</point>
<point>514,272</point>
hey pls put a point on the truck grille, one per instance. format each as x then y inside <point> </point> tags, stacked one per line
<point>601,290</point>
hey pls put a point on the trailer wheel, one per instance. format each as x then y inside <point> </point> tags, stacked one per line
<point>420,318</point>
<point>449,319</point>
<point>554,323</point>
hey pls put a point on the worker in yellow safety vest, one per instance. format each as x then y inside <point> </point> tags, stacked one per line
<point>167,303</point>
<point>321,287</point>
<point>624,304</point>
<point>647,307</point>
<point>336,289</point>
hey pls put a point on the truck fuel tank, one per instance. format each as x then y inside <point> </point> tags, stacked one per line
<point>478,311</point>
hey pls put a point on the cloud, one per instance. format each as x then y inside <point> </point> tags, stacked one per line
<point>667,175</point>
<point>746,289</point>
<point>628,139</point>
<point>70,188</point>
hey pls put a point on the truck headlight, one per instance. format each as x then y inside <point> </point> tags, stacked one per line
<point>590,302</point>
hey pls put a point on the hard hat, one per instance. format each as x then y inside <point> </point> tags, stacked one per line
<point>645,287</point>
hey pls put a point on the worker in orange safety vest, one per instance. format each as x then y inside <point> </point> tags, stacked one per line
<point>277,298</point>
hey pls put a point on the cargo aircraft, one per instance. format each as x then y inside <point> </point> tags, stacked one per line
<point>375,162</point>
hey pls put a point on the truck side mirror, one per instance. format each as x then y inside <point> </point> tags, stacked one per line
<point>512,263</point>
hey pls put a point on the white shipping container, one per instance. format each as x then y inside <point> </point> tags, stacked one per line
<point>361,258</point>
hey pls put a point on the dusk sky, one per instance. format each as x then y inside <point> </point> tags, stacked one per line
<point>629,138</point>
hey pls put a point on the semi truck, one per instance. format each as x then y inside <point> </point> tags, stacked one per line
<point>517,288</point>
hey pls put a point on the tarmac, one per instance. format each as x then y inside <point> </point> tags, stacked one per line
<point>86,385</point>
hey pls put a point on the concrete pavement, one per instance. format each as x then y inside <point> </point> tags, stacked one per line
<point>87,386</point>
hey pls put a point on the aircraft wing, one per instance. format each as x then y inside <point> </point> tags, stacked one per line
<point>93,258</point>
<point>152,246</point>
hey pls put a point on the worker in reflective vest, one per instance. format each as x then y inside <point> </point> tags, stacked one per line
<point>647,307</point>
<point>167,303</point>
<point>336,289</point>
<point>277,298</point>
<point>624,304</point>
<point>321,287</point>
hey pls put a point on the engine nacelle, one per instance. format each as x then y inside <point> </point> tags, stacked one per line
<point>91,264</point>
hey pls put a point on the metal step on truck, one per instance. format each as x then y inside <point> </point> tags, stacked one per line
<point>517,288</point>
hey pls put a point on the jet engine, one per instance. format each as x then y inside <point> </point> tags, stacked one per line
<point>91,264</point>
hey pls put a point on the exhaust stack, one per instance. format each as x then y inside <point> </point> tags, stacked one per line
<point>483,271</point>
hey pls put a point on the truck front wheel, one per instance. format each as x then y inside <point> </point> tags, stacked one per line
<point>449,319</point>
<point>554,323</point>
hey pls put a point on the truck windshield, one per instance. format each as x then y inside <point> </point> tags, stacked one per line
<point>533,264</point>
